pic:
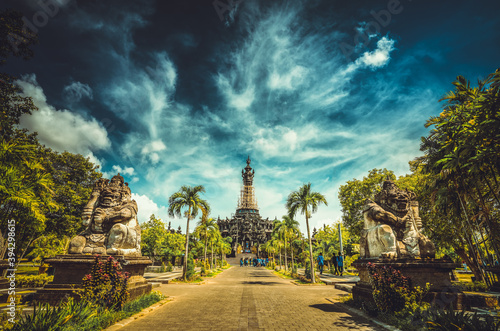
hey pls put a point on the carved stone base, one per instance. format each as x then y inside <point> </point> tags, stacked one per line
<point>436,272</point>
<point>70,269</point>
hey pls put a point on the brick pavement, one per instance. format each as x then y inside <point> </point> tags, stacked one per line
<point>249,299</point>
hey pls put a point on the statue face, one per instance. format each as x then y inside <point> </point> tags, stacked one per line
<point>110,197</point>
<point>394,200</point>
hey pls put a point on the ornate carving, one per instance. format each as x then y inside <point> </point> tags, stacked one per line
<point>111,220</point>
<point>392,226</point>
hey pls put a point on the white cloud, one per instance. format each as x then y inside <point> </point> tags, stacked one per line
<point>147,207</point>
<point>75,91</point>
<point>61,130</point>
<point>380,56</point>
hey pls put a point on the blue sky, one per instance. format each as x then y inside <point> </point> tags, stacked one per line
<point>171,94</point>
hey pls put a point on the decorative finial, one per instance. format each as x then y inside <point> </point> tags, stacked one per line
<point>248,160</point>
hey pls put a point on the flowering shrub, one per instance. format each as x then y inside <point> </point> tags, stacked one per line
<point>106,285</point>
<point>390,288</point>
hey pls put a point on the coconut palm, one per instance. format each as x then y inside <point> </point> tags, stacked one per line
<point>307,202</point>
<point>187,197</point>
<point>205,225</point>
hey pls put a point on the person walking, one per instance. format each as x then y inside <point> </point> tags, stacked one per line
<point>241,262</point>
<point>321,263</point>
<point>340,263</point>
<point>334,263</point>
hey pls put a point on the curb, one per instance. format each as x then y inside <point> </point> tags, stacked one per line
<point>118,325</point>
<point>361,314</point>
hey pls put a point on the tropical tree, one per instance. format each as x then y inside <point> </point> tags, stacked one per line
<point>307,202</point>
<point>354,193</point>
<point>187,197</point>
<point>205,225</point>
<point>463,167</point>
<point>153,235</point>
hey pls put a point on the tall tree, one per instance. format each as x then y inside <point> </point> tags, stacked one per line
<point>353,194</point>
<point>307,202</point>
<point>205,225</point>
<point>187,197</point>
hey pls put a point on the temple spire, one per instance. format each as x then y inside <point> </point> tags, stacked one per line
<point>247,196</point>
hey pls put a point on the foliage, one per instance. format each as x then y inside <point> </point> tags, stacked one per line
<point>33,280</point>
<point>105,286</point>
<point>307,202</point>
<point>47,246</point>
<point>47,318</point>
<point>353,194</point>
<point>472,286</point>
<point>187,197</point>
<point>390,288</point>
<point>449,319</point>
<point>190,273</point>
<point>169,267</point>
<point>82,316</point>
<point>462,165</point>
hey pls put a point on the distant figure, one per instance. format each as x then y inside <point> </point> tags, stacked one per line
<point>334,263</point>
<point>465,266</point>
<point>246,262</point>
<point>321,263</point>
<point>241,262</point>
<point>340,263</point>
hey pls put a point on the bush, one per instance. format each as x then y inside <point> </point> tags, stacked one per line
<point>307,272</point>
<point>440,319</point>
<point>190,267</point>
<point>169,267</point>
<point>389,288</point>
<point>105,286</point>
<point>472,286</point>
<point>33,280</point>
<point>271,265</point>
<point>162,268</point>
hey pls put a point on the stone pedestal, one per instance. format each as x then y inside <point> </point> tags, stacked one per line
<point>70,269</point>
<point>436,272</point>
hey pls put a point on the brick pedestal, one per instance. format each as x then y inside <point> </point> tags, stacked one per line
<point>70,269</point>
<point>436,272</point>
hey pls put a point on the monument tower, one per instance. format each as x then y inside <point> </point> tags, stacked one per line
<point>246,227</point>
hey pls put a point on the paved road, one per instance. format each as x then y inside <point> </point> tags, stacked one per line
<point>249,299</point>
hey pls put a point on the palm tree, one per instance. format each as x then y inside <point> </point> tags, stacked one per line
<point>187,197</point>
<point>307,202</point>
<point>284,229</point>
<point>292,229</point>
<point>205,225</point>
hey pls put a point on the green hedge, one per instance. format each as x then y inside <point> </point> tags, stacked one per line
<point>33,280</point>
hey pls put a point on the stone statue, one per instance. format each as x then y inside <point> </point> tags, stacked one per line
<point>111,220</point>
<point>392,226</point>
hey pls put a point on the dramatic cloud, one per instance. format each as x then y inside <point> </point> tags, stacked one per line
<point>76,91</point>
<point>188,91</point>
<point>62,130</point>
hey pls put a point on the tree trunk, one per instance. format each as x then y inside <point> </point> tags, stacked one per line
<point>313,280</point>
<point>184,271</point>
<point>206,244</point>
<point>470,263</point>
<point>280,258</point>
<point>291,250</point>
<point>212,243</point>
<point>286,261</point>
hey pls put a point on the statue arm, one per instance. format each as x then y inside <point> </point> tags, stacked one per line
<point>377,213</point>
<point>88,210</point>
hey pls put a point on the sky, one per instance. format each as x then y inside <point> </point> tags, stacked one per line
<point>172,93</point>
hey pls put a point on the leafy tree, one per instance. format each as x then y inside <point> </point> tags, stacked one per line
<point>307,202</point>
<point>187,197</point>
<point>353,194</point>
<point>153,236</point>
<point>463,164</point>
<point>205,225</point>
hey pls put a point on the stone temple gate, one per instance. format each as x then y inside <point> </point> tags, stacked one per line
<point>246,227</point>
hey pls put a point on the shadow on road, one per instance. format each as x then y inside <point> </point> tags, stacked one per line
<point>260,283</point>
<point>343,321</point>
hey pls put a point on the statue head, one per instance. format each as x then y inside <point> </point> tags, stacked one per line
<point>115,193</point>
<point>393,199</point>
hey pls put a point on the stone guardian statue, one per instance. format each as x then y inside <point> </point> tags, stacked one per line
<point>111,220</point>
<point>392,226</point>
